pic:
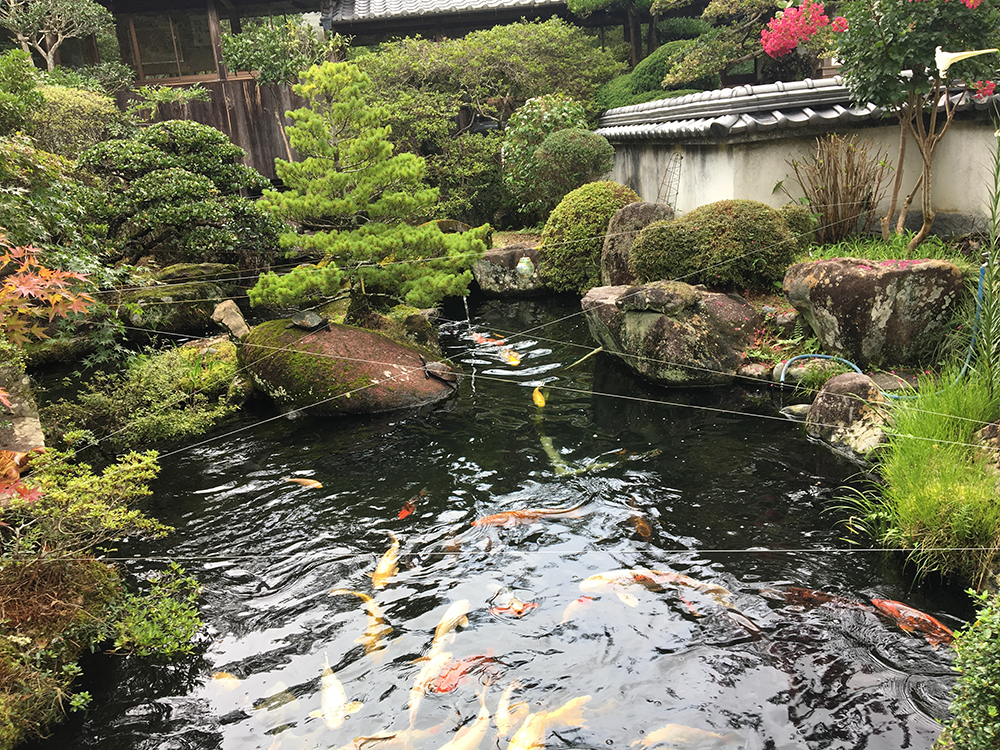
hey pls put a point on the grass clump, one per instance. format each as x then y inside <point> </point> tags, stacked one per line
<point>875,248</point>
<point>938,496</point>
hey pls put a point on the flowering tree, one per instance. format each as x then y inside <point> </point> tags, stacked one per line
<point>887,50</point>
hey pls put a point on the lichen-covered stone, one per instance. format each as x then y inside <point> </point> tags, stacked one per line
<point>173,308</point>
<point>673,333</point>
<point>875,312</point>
<point>498,276</point>
<point>622,230</point>
<point>849,414</point>
<point>344,370</point>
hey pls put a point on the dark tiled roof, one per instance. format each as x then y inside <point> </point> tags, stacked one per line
<point>345,11</point>
<point>748,111</point>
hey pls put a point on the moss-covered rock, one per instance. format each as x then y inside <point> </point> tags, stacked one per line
<point>570,254</point>
<point>733,243</point>
<point>343,370</point>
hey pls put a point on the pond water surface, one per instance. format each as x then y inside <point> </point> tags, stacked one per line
<point>712,484</point>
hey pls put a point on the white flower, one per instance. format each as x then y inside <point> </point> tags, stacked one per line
<point>944,60</point>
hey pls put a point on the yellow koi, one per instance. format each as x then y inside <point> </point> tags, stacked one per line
<point>453,618</point>
<point>388,566</point>
<point>537,397</point>
<point>619,580</point>
<point>376,629</point>
<point>511,357</point>
<point>569,714</point>
<point>226,681</point>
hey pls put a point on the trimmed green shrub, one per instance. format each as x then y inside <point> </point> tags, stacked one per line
<point>570,254</point>
<point>681,27</point>
<point>108,77</point>
<point>72,120</point>
<point>801,223</point>
<point>173,193</point>
<point>644,83</point>
<point>975,706</point>
<point>569,158</point>
<point>527,128</point>
<point>739,243</point>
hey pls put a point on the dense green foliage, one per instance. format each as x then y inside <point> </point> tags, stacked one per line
<point>43,25</point>
<point>361,200</point>
<point>59,601</point>
<point>570,253</point>
<point>158,398</point>
<point>525,132</point>
<point>569,158</point>
<point>645,82</point>
<point>738,243</point>
<point>734,37</point>
<point>468,174</point>
<point>107,77</point>
<point>975,704</point>
<point>19,95</point>
<point>72,120</point>
<point>172,192</point>
<point>277,50</point>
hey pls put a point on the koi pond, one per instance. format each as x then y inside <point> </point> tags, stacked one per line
<point>733,613</point>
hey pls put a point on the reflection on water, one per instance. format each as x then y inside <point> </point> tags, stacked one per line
<point>722,501</point>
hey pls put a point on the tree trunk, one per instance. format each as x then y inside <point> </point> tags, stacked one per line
<point>635,34</point>
<point>903,115</point>
<point>652,38</point>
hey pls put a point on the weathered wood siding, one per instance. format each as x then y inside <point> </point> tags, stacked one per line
<point>249,114</point>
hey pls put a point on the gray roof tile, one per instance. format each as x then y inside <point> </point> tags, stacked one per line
<point>750,110</point>
<point>356,10</point>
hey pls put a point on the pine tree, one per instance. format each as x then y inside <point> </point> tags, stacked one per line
<point>357,204</point>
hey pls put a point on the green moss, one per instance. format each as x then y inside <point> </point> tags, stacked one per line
<point>645,82</point>
<point>738,243</point>
<point>570,253</point>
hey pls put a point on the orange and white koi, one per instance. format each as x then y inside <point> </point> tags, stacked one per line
<point>528,515</point>
<point>513,608</point>
<point>619,581</point>
<point>575,606</point>
<point>388,566</point>
<point>433,665</point>
<point>910,620</point>
<point>511,357</point>
<point>454,673</point>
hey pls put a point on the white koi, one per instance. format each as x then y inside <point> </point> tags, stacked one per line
<point>334,706</point>
<point>679,735</point>
<point>507,716</point>
<point>432,667</point>
<point>471,736</point>
<point>452,619</point>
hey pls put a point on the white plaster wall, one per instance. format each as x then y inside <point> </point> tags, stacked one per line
<point>708,173</point>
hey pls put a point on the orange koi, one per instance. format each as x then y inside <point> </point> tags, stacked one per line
<point>410,505</point>
<point>452,675</point>
<point>529,515</point>
<point>911,620</point>
<point>481,339</point>
<point>641,526</point>
<point>310,483</point>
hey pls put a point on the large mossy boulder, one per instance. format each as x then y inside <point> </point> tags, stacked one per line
<point>875,312</point>
<point>510,271</point>
<point>673,333</point>
<point>570,254</point>
<point>739,244</point>
<point>623,228</point>
<point>343,370</point>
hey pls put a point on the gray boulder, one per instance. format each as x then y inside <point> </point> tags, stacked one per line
<point>875,312</point>
<point>849,414</point>
<point>510,271</point>
<point>23,430</point>
<point>623,228</point>
<point>673,333</point>
<point>182,300</point>
<point>340,370</point>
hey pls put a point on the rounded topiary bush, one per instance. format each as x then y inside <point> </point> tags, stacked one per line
<point>738,243</point>
<point>73,120</point>
<point>570,254</point>
<point>569,158</point>
<point>801,222</point>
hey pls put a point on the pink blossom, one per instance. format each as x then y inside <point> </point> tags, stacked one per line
<point>972,4</point>
<point>797,24</point>
<point>984,89</point>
